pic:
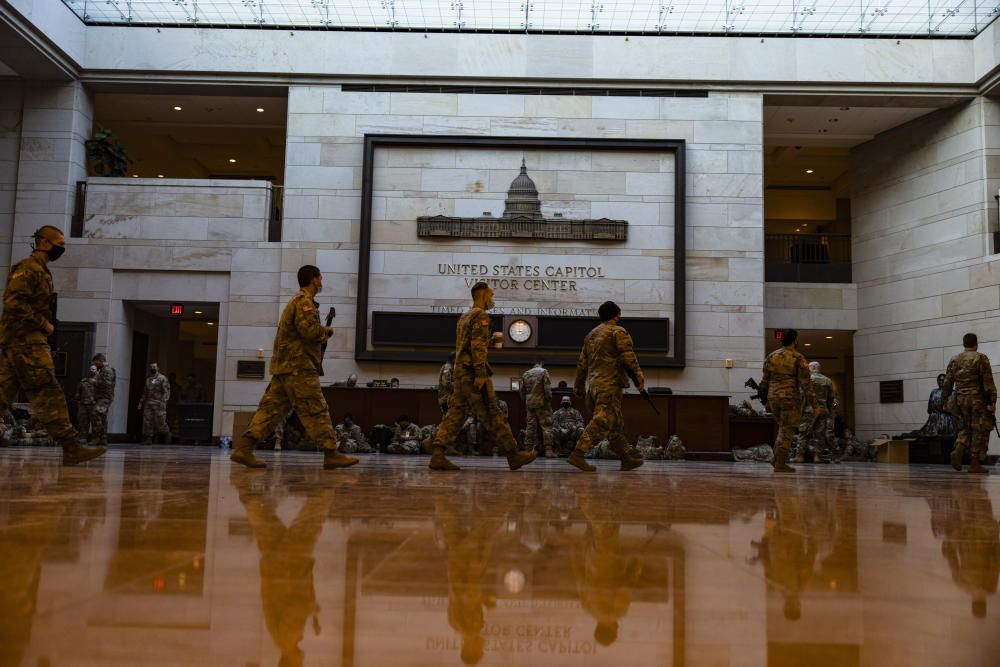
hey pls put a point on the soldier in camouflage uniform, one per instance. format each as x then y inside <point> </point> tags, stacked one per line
<point>351,438</point>
<point>295,367</point>
<point>405,437</point>
<point>104,394</point>
<point>155,395</point>
<point>473,390</point>
<point>25,357</point>
<point>536,392</point>
<point>446,382</point>
<point>970,394</point>
<point>568,427</point>
<point>606,362</point>
<point>85,404</point>
<point>786,384</point>
<point>817,422</point>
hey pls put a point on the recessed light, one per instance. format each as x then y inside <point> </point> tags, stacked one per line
<point>260,109</point>
<point>198,312</point>
<point>232,160</point>
<point>177,108</point>
<point>808,344</point>
<point>159,175</point>
<point>829,337</point>
<point>212,324</point>
<point>809,171</point>
<point>135,175</point>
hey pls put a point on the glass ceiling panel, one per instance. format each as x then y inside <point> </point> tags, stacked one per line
<point>869,18</point>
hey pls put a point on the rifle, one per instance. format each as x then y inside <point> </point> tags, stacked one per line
<point>990,416</point>
<point>53,319</point>
<point>752,384</point>
<point>645,394</point>
<point>322,351</point>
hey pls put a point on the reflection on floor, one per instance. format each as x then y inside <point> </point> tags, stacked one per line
<point>171,556</point>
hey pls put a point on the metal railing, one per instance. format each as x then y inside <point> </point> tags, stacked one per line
<point>807,258</point>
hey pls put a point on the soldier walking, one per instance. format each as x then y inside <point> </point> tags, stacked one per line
<point>446,382</point>
<point>786,384</point>
<point>25,357</point>
<point>536,392</point>
<point>473,389</point>
<point>968,383</point>
<point>606,362</point>
<point>104,394</point>
<point>817,420</point>
<point>85,404</point>
<point>295,366</point>
<point>155,395</point>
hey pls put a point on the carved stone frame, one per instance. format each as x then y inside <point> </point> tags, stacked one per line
<point>373,141</point>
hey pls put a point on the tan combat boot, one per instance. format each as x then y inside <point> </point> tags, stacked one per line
<point>439,461</point>
<point>780,462</point>
<point>74,452</point>
<point>976,467</point>
<point>243,453</point>
<point>516,459</point>
<point>631,462</point>
<point>576,460</point>
<point>956,460</point>
<point>333,459</point>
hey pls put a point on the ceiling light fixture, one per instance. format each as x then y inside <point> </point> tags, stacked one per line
<point>177,108</point>
<point>135,175</point>
<point>198,312</point>
<point>159,175</point>
<point>829,337</point>
<point>808,344</point>
<point>232,160</point>
<point>260,109</point>
<point>212,324</point>
<point>809,171</point>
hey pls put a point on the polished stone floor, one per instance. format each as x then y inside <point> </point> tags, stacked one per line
<point>171,556</point>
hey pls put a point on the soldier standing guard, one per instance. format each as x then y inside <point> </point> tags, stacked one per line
<point>473,391</point>
<point>155,395</point>
<point>606,362</point>
<point>968,380</point>
<point>536,392</point>
<point>787,386</point>
<point>295,367</point>
<point>104,395</point>
<point>25,356</point>
<point>85,404</point>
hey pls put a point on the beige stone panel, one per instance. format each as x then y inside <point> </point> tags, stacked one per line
<point>250,337</point>
<point>811,318</point>
<point>524,126</point>
<point>649,291</point>
<point>899,363</point>
<point>490,158</point>
<point>394,124</point>
<point>422,104</point>
<point>746,269</point>
<point>649,239</point>
<point>505,106</point>
<point>254,314</point>
<point>917,237</point>
<point>701,323</point>
<point>708,268</point>
<point>659,129</point>
<point>341,154</point>
<point>454,180</point>
<point>985,274</point>
<point>250,283</point>
<point>919,259</point>
<point>302,153</point>
<point>306,99</point>
<point>322,125</point>
<point>235,229</point>
<point>725,185</point>
<point>713,107</point>
<point>709,162</point>
<point>398,178</point>
<point>172,257</point>
<point>625,107</point>
<point>340,102</point>
<point>470,208</point>
<point>593,182</point>
<point>256,259</point>
<point>456,125</point>
<point>557,106</point>
<point>626,161</point>
<point>726,293</point>
<point>415,157</point>
<point>587,127</point>
<point>112,227</point>
<point>410,208</point>
<point>718,348</point>
<point>319,231</point>
<point>725,238</point>
<point>340,207</point>
<point>301,206</point>
<point>745,106</point>
<point>746,324</point>
<point>322,178</point>
<point>744,162</point>
<point>337,261</point>
<point>971,301</point>
<point>657,184</point>
<point>898,313</point>
<point>636,213</point>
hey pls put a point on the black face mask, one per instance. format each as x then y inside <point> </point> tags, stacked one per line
<point>55,252</point>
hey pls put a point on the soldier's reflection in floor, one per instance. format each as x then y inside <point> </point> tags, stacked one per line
<point>605,575</point>
<point>287,591</point>
<point>468,522</point>
<point>963,517</point>
<point>27,530</point>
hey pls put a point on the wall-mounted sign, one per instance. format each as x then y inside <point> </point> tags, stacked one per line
<point>250,369</point>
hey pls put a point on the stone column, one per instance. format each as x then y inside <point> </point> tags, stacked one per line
<point>11,98</point>
<point>55,124</point>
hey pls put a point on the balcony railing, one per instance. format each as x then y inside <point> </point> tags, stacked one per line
<point>807,258</point>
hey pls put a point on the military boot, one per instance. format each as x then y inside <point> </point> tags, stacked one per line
<point>976,467</point>
<point>243,453</point>
<point>576,460</point>
<point>631,462</point>
<point>956,460</point>
<point>781,462</point>
<point>439,461</point>
<point>451,451</point>
<point>74,452</point>
<point>333,459</point>
<point>516,459</point>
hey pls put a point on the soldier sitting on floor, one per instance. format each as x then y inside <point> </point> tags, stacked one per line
<point>568,427</point>
<point>351,438</point>
<point>405,437</point>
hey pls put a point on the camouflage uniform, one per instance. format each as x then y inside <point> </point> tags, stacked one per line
<point>26,359</point>
<point>155,396</point>
<point>569,427</point>
<point>536,392</point>
<point>787,385</point>
<point>471,345</point>
<point>84,406</point>
<point>446,384</point>
<point>295,367</point>
<point>817,423</point>
<point>967,393</point>
<point>104,394</point>
<point>352,440</point>
<point>405,440</point>
<point>607,351</point>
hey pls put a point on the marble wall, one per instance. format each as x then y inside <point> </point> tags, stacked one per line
<point>923,256</point>
<point>831,306</point>
<point>11,101</point>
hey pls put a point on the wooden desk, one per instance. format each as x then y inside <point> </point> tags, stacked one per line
<point>702,422</point>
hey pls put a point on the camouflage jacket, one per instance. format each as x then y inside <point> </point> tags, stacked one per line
<point>27,303</point>
<point>536,388</point>
<point>567,418</point>
<point>411,432</point>
<point>969,374</point>
<point>104,383</point>
<point>472,340</point>
<point>446,382</point>
<point>786,376</point>
<point>85,392</point>
<point>353,433</point>
<point>607,353</point>
<point>157,389</point>
<point>824,393</point>
<point>298,343</point>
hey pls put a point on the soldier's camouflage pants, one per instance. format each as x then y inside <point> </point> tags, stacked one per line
<point>84,418</point>
<point>298,391</point>
<point>607,422</point>
<point>99,422</point>
<point>973,425</point>
<point>154,419</point>
<point>465,399</point>
<point>817,427</point>
<point>788,414</point>
<point>539,418</point>
<point>404,447</point>
<point>30,369</point>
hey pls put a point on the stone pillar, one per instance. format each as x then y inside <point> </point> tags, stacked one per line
<point>11,98</point>
<point>56,123</point>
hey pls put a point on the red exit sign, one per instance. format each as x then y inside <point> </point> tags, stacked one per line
<point>778,334</point>
<point>176,309</point>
